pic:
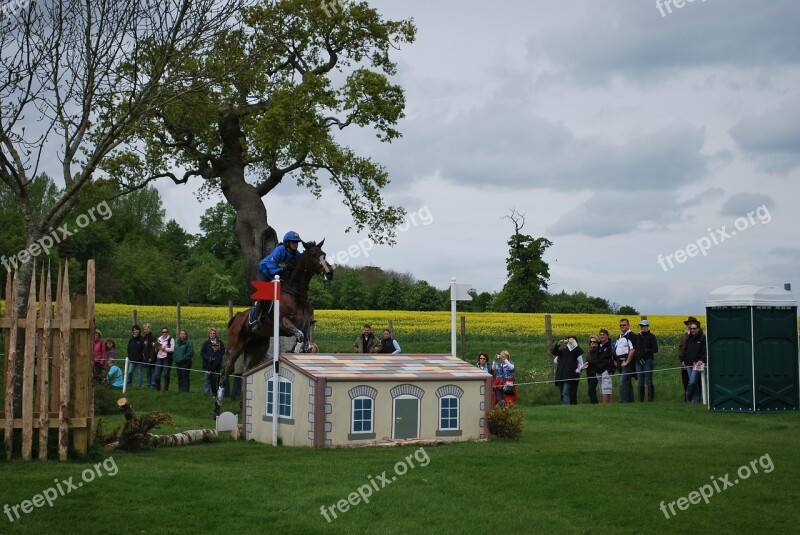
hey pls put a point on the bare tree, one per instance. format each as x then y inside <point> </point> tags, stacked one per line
<point>73,88</point>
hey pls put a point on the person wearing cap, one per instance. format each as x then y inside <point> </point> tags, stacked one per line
<point>114,375</point>
<point>281,261</point>
<point>681,345</point>
<point>694,357</point>
<point>645,351</point>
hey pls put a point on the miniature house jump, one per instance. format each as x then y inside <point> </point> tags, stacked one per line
<point>357,399</point>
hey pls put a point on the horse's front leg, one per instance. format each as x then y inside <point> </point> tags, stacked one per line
<point>287,325</point>
<point>223,379</point>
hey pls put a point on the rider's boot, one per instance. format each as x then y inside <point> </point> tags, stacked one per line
<point>254,319</point>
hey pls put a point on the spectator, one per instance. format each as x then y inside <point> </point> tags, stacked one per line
<point>625,349</point>
<point>206,352</point>
<point>366,342</point>
<point>111,351</point>
<point>694,358</point>
<point>681,345</point>
<point>605,365</point>
<point>313,348</point>
<point>483,362</point>
<point>150,351</point>
<point>99,354</point>
<point>114,376</point>
<point>567,354</point>
<point>503,385</point>
<point>182,356</point>
<point>213,351</point>
<point>166,347</point>
<point>135,355</point>
<point>645,360</point>
<point>389,344</point>
<point>591,369</point>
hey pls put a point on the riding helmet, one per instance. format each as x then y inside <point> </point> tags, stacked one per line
<point>291,236</point>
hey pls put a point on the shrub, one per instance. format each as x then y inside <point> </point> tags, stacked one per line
<point>506,421</point>
<point>105,399</point>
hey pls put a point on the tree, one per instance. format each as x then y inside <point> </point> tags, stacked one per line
<point>528,274</point>
<point>73,89</point>
<point>626,310</point>
<point>218,238</point>
<point>301,77</point>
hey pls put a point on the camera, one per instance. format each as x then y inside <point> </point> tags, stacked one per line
<point>498,357</point>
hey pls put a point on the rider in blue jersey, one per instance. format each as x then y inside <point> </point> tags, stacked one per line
<point>280,261</point>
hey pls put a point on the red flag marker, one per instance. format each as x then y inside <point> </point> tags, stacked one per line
<point>266,290</point>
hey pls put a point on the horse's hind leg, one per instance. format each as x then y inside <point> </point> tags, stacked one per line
<point>227,370</point>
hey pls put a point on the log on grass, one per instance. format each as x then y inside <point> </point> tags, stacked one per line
<point>192,436</point>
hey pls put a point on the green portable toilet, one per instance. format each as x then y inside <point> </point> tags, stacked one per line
<point>753,363</point>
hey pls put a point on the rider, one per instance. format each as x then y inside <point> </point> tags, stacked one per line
<point>280,261</point>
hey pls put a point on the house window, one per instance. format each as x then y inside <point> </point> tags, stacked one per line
<point>448,413</point>
<point>284,398</point>
<point>362,415</point>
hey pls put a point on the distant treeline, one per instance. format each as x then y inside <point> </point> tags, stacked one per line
<point>144,260</point>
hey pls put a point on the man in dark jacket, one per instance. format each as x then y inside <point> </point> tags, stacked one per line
<point>694,358</point>
<point>567,353</point>
<point>366,342</point>
<point>135,355</point>
<point>605,365</point>
<point>645,351</point>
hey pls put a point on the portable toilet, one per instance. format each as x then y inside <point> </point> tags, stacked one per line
<point>753,363</point>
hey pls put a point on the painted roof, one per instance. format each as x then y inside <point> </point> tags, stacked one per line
<point>380,366</point>
<point>744,295</point>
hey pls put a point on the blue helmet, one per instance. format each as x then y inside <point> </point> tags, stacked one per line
<point>291,236</point>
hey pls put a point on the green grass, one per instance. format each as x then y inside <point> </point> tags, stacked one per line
<point>584,469</point>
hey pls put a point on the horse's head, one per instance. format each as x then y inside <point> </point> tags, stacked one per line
<point>315,259</point>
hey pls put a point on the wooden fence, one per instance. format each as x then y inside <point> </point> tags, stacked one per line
<point>56,377</point>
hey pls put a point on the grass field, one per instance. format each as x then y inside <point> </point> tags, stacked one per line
<point>583,469</point>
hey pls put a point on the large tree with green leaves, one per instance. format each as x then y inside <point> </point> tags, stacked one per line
<point>528,273</point>
<point>300,77</point>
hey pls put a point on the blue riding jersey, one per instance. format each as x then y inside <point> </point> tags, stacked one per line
<point>280,258</point>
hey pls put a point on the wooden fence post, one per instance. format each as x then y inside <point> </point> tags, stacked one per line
<point>44,368</point>
<point>230,310</point>
<point>27,370</point>
<point>11,355</point>
<point>135,317</point>
<point>64,312</point>
<point>178,313</point>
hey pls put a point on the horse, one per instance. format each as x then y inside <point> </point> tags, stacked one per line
<point>296,316</point>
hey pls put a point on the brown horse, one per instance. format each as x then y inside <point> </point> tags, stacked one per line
<point>296,316</point>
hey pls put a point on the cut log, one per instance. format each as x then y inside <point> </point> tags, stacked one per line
<point>192,436</point>
<point>126,409</point>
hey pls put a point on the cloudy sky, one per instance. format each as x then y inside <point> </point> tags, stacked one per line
<point>623,131</point>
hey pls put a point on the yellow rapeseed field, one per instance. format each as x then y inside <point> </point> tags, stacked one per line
<point>408,323</point>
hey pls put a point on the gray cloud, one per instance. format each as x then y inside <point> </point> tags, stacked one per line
<point>740,204</point>
<point>772,139</point>
<point>633,40</point>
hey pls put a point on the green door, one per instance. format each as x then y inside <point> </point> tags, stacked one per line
<point>406,417</point>
<point>730,358</point>
<point>776,365</point>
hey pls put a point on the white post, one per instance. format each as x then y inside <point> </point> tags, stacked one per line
<point>276,350</point>
<point>704,385</point>
<point>453,316</point>
<point>125,376</point>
